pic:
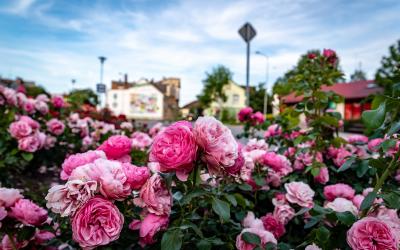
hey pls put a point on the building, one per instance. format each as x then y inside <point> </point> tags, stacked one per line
<point>354,94</point>
<point>145,99</point>
<point>16,83</point>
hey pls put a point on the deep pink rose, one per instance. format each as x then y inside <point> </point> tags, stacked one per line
<point>245,114</point>
<point>338,190</point>
<point>76,160</point>
<point>273,130</point>
<point>98,222</point>
<point>155,196</point>
<point>323,176</point>
<point>277,162</point>
<point>29,106</point>
<point>34,124</point>
<point>31,143</point>
<point>151,225</point>
<point>135,224</point>
<point>7,245</point>
<point>357,139</point>
<point>20,129</point>
<point>330,55</point>
<point>257,118</point>
<point>311,56</point>
<point>116,146</point>
<point>43,236</point>
<point>300,193</point>
<point>371,233</point>
<point>28,212</point>
<point>284,213</point>
<point>55,126</point>
<point>374,144</point>
<point>306,159</point>
<point>341,157</point>
<point>239,162</point>
<point>273,225</point>
<point>264,235</point>
<point>137,176</point>
<point>175,148</point>
<point>357,200</point>
<point>8,196</point>
<point>58,101</point>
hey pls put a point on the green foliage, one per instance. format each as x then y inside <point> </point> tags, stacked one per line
<point>358,75</point>
<point>34,90</point>
<point>78,97</point>
<point>257,95</point>
<point>388,75</point>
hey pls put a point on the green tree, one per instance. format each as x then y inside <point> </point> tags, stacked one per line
<point>257,95</point>
<point>389,73</point>
<point>214,83</point>
<point>358,75</point>
<point>78,97</point>
<point>33,90</point>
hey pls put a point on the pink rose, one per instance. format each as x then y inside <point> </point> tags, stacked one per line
<point>312,247</point>
<point>158,127</point>
<point>7,245</point>
<point>175,148</point>
<point>239,162</point>
<point>76,160</point>
<point>279,199</point>
<point>245,114</point>
<point>116,146</point>
<point>58,101</point>
<point>257,118</point>
<point>330,56</point>
<point>42,98</point>
<point>284,213</point>
<point>43,236</point>
<point>357,200</point>
<point>371,233</point>
<point>20,129</point>
<point>273,225</point>
<point>98,222</point>
<point>323,176</point>
<point>357,139</point>
<point>135,224</point>
<point>151,225</point>
<point>29,106</point>
<point>155,196</point>
<point>34,124</point>
<point>219,146</point>
<point>66,199</point>
<point>311,56</point>
<point>306,159</point>
<point>31,143</point>
<point>342,205</point>
<point>55,126</point>
<point>273,130</point>
<point>137,176</point>
<point>300,193</point>
<point>8,196</point>
<point>250,221</point>
<point>374,144</point>
<point>338,190</point>
<point>264,235</point>
<point>10,96</point>
<point>277,162</point>
<point>140,140</point>
<point>28,212</point>
<point>3,214</point>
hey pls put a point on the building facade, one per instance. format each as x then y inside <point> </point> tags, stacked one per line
<point>145,99</point>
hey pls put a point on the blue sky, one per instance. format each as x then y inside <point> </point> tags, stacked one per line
<point>52,42</point>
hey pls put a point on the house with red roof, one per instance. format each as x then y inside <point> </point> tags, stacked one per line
<point>354,94</point>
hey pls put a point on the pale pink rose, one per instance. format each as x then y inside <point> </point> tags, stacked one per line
<point>371,234</point>
<point>34,124</point>
<point>31,143</point>
<point>217,143</point>
<point>254,144</point>
<point>278,162</point>
<point>357,200</point>
<point>3,214</point>
<point>8,196</point>
<point>300,193</point>
<point>136,176</point>
<point>158,127</point>
<point>28,213</point>
<point>257,118</point>
<point>273,225</point>
<point>140,140</point>
<point>357,139</point>
<point>279,199</point>
<point>151,225</point>
<point>87,141</point>
<point>323,176</point>
<point>273,130</point>
<point>42,98</point>
<point>50,142</point>
<point>175,148</point>
<point>284,213</point>
<point>42,236</point>
<point>20,129</point>
<point>55,126</point>
<point>66,199</point>
<point>247,170</point>
<point>98,222</point>
<point>264,235</point>
<point>374,144</point>
<point>312,247</point>
<point>250,221</point>
<point>338,190</point>
<point>116,146</point>
<point>244,114</point>
<point>155,196</point>
<point>42,107</point>
<point>342,205</point>
<point>76,160</point>
<point>126,125</point>
<point>10,96</point>
<point>58,101</point>
<point>7,245</point>
<point>273,178</point>
<point>306,159</point>
<point>29,106</point>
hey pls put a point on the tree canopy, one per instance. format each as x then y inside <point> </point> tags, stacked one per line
<point>358,75</point>
<point>388,75</point>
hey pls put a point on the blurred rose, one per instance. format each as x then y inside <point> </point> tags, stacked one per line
<point>245,114</point>
<point>58,101</point>
<point>264,235</point>
<point>28,213</point>
<point>116,146</point>
<point>8,196</point>
<point>55,126</point>
<point>151,225</point>
<point>20,129</point>
<point>137,176</point>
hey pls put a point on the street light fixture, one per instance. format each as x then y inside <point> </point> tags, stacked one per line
<point>102,60</point>
<point>266,80</point>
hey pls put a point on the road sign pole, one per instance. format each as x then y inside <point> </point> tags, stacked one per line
<point>248,75</point>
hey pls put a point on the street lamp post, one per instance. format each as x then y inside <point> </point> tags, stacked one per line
<point>102,60</point>
<point>266,81</point>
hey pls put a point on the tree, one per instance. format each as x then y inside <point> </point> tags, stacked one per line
<point>358,75</point>
<point>34,90</point>
<point>257,95</point>
<point>214,83</point>
<point>78,97</point>
<point>389,73</point>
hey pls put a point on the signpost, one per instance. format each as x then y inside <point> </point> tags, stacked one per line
<point>101,88</point>
<point>247,32</point>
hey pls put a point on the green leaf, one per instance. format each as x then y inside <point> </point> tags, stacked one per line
<point>374,118</point>
<point>231,198</point>
<point>203,245</point>
<point>347,218</point>
<point>387,144</point>
<point>346,165</point>
<point>315,171</point>
<point>322,234</point>
<point>251,238</point>
<point>245,187</point>
<point>392,200</point>
<point>284,246</point>
<point>221,208</point>
<point>377,163</point>
<point>362,168</point>
<point>394,128</point>
<point>368,200</point>
<point>27,156</point>
<point>313,221</point>
<point>270,246</point>
<point>302,211</point>
<point>259,180</point>
<point>171,240</point>
<point>187,198</point>
<point>26,232</point>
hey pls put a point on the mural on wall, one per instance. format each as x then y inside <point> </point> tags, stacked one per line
<point>141,103</point>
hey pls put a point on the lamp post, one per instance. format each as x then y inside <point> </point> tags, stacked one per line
<point>266,80</point>
<point>102,60</point>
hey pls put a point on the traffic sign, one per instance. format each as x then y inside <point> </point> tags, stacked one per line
<point>247,32</point>
<point>101,88</point>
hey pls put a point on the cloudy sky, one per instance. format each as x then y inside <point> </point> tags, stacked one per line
<point>52,42</point>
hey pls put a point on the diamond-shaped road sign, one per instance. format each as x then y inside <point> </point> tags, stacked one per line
<point>247,32</point>
<point>101,88</point>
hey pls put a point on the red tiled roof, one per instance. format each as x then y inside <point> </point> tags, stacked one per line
<point>352,90</point>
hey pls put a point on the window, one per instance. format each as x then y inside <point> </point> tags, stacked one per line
<point>115,96</point>
<point>235,99</point>
<point>115,105</point>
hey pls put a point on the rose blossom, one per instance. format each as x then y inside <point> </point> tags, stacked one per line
<point>76,160</point>
<point>257,118</point>
<point>312,247</point>
<point>155,196</point>
<point>3,214</point>
<point>338,190</point>
<point>31,143</point>
<point>264,235</point>
<point>58,101</point>
<point>116,146</point>
<point>357,200</point>
<point>158,127</point>
<point>126,125</point>
<point>342,205</point>
<point>34,124</point>
<point>20,129</point>
<point>357,139</point>
<point>273,130</point>
<point>284,213</point>
<point>66,199</point>
<point>98,222</point>
<point>250,221</point>
<point>323,176</point>
<point>277,162</point>
<point>151,225</point>
<point>7,245</point>
<point>43,236</point>
<point>136,176</point>
<point>28,212</point>
<point>29,106</point>
<point>300,193</point>
<point>175,149</point>
<point>55,126</point>
<point>42,107</point>
<point>273,225</point>
<point>42,98</point>
<point>245,114</point>
<point>371,233</point>
<point>140,140</point>
<point>8,196</point>
<point>239,162</point>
